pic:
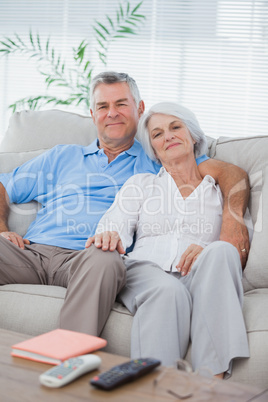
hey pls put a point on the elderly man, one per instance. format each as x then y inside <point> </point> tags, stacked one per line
<point>81,183</point>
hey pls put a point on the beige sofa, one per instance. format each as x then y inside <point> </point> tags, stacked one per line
<point>33,309</point>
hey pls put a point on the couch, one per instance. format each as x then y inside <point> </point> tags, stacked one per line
<point>33,309</point>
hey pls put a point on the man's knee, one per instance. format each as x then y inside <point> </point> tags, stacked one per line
<point>106,264</point>
<point>105,258</point>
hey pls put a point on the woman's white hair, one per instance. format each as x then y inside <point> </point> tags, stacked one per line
<point>184,114</point>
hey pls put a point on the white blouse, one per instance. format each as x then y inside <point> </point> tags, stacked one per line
<point>165,223</point>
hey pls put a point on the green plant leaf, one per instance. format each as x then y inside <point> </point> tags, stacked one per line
<point>104,28</point>
<point>81,52</point>
<point>136,8</point>
<point>47,46</point>
<point>99,33</point>
<point>110,21</point>
<point>20,40</point>
<point>101,44</point>
<point>31,39</point>
<point>89,76</point>
<point>139,16</point>
<point>58,62</point>
<point>12,42</point>
<point>131,23</point>
<point>135,19</point>
<point>86,65</point>
<point>5,44</point>
<point>38,42</point>
<point>126,30</point>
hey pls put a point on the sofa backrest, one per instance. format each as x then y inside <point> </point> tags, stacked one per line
<point>32,132</point>
<point>251,154</point>
<point>29,134</point>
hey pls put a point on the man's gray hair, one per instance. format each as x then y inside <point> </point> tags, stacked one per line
<point>111,77</point>
<point>184,114</point>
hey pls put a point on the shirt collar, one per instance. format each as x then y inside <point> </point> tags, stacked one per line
<point>162,171</point>
<point>135,149</point>
<point>93,148</point>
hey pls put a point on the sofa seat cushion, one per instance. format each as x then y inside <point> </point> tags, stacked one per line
<point>30,309</point>
<point>117,330</point>
<point>34,309</point>
<point>256,319</point>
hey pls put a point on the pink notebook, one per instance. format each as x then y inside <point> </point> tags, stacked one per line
<point>56,346</point>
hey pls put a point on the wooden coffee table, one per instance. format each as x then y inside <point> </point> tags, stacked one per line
<point>19,381</point>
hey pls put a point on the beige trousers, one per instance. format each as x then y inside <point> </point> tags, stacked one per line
<point>92,277</point>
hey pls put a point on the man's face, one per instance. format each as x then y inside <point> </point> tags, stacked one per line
<point>116,114</point>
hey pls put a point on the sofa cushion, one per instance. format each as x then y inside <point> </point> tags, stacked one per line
<point>251,154</point>
<point>21,215</point>
<point>256,319</point>
<point>31,130</point>
<point>11,160</point>
<point>34,309</point>
<point>30,309</point>
<point>117,330</point>
<point>255,369</point>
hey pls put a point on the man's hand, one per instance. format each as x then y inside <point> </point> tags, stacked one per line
<point>15,238</point>
<point>107,241</point>
<point>234,231</point>
<point>188,258</point>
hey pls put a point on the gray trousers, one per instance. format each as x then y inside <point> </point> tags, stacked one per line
<point>205,307</point>
<point>92,278</point>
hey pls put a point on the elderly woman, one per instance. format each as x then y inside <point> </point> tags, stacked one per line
<point>182,282</point>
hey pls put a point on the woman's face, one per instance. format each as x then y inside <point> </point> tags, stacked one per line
<point>170,138</point>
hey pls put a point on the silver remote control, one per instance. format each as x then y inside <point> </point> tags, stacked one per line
<point>69,370</point>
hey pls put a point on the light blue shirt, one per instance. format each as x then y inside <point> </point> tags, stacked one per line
<point>75,186</point>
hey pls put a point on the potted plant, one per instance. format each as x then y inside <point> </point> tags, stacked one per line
<point>57,73</point>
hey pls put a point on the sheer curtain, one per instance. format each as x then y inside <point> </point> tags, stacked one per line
<point>210,55</point>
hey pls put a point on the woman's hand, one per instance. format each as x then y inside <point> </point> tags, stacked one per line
<point>188,258</point>
<point>107,241</point>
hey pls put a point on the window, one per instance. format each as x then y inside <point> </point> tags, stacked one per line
<point>209,55</point>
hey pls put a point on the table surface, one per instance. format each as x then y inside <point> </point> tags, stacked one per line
<point>19,381</point>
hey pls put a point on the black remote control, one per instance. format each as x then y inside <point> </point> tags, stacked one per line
<point>124,373</point>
